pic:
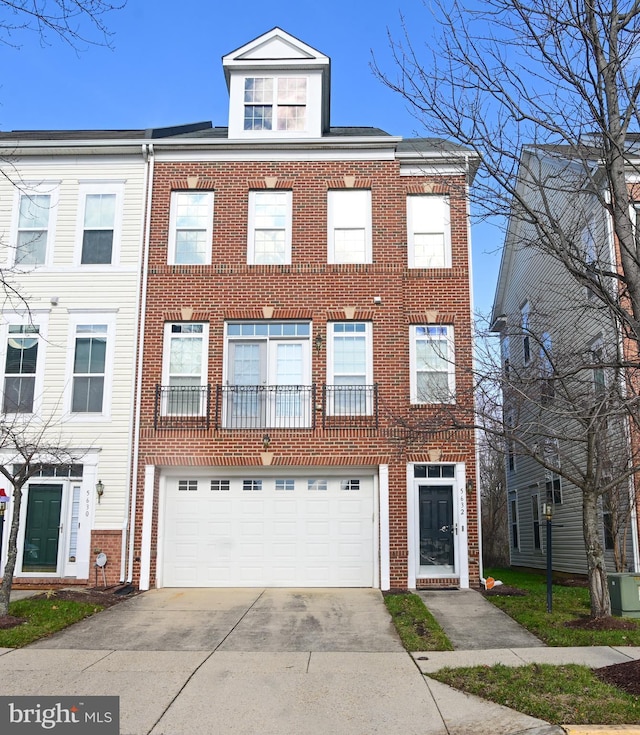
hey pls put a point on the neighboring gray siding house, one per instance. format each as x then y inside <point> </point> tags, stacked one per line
<point>548,324</point>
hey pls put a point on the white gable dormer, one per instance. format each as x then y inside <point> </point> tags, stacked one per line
<point>278,88</point>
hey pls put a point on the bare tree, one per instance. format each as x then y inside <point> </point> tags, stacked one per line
<point>76,22</point>
<point>521,82</point>
<point>25,447</point>
<point>493,493</point>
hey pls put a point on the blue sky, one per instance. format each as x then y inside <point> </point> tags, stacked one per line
<point>164,68</point>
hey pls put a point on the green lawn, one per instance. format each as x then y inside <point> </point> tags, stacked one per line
<point>43,617</point>
<point>557,694</point>
<point>569,603</point>
<point>416,626</point>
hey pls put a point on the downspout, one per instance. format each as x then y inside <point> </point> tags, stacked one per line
<point>473,370</point>
<point>148,155</point>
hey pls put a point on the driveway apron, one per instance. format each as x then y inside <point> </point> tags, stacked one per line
<point>253,620</point>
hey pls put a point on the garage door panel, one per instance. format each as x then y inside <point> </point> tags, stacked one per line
<point>269,537</point>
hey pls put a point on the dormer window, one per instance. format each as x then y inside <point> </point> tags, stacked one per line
<point>275,103</point>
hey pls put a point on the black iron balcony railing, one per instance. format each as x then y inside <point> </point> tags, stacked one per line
<point>350,406</point>
<point>265,406</point>
<point>182,407</point>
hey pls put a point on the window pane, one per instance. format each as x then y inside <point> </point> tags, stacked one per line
<point>191,247</point>
<point>87,394</point>
<point>97,247</point>
<point>269,247</point>
<point>349,246</point>
<point>90,355</point>
<point>31,248</point>
<point>34,211</point>
<point>292,91</point>
<point>428,250</point>
<point>257,117</point>
<point>18,394</point>
<point>291,118</point>
<point>270,210</point>
<point>100,211</point>
<point>433,387</point>
<point>258,89</point>
<point>350,355</point>
<point>185,356</point>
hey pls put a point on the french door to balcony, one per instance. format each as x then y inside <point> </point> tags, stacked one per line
<point>268,384</point>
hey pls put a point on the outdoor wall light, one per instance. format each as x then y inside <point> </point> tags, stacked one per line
<point>318,342</point>
<point>547,511</point>
<point>469,485</point>
<point>99,489</point>
<point>266,441</point>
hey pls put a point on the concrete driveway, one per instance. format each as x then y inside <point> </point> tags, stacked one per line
<point>247,661</point>
<point>255,620</point>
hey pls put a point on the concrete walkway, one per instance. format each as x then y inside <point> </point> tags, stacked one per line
<point>473,623</point>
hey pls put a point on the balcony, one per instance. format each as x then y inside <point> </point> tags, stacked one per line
<point>265,406</point>
<point>182,407</point>
<point>350,406</point>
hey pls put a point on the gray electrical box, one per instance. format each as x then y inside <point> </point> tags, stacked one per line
<point>624,590</point>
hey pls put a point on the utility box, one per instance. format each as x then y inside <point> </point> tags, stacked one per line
<point>624,590</point>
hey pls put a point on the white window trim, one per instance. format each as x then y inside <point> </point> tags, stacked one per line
<point>171,254</point>
<point>451,364</point>
<point>285,74</point>
<point>40,318</point>
<point>76,319</point>
<point>52,188</point>
<point>411,228</point>
<point>251,224</point>
<point>99,187</point>
<point>368,335</point>
<point>368,246</point>
<point>166,350</point>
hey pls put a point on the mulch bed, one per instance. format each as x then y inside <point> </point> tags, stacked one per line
<point>93,596</point>
<point>504,590</point>
<point>604,623</point>
<point>625,676</point>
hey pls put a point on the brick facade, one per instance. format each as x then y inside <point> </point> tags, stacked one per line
<point>311,289</point>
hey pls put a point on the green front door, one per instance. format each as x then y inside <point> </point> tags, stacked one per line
<point>42,531</point>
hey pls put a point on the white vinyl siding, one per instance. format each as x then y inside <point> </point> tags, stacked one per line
<point>349,226</point>
<point>428,231</point>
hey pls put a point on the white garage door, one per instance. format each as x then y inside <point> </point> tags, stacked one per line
<point>277,531</point>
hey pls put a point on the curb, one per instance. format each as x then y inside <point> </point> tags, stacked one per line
<point>601,729</point>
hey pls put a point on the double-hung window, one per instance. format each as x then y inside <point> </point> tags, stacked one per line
<point>89,368</point>
<point>20,368</point>
<point>35,225</point>
<point>275,103</point>
<point>99,221</point>
<point>269,239</point>
<point>268,375</point>
<point>349,226</point>
<point>428,231</point>
<point>191,227</point>
<point>185,369</point>
<point>349,389</point>
<point>432,364</point>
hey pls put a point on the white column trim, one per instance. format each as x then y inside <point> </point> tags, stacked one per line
<point>385,551</point>
<point>411,529</point>
<point>147,525</point>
